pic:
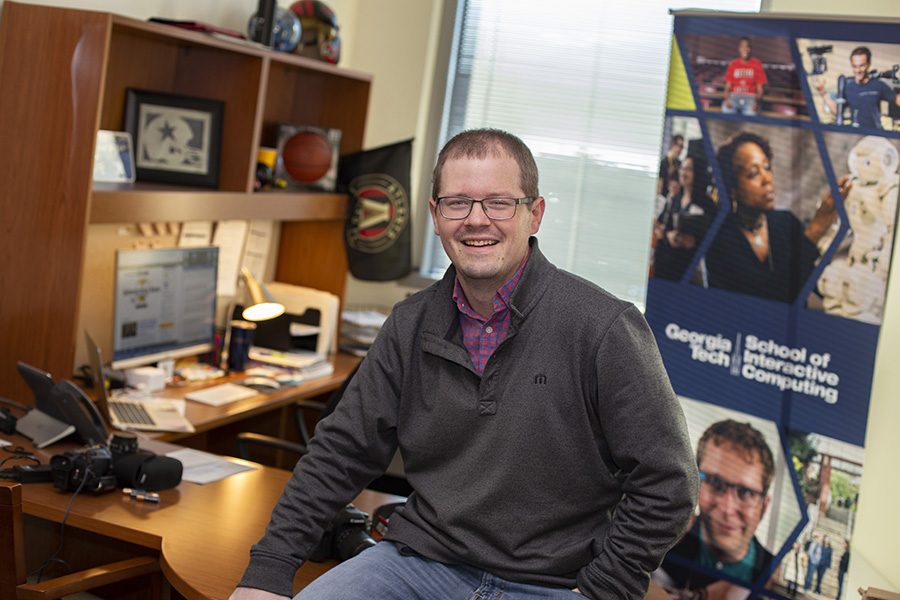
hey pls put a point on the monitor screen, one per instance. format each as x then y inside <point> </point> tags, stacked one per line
<point>165,304</point>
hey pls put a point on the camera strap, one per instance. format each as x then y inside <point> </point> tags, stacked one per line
<point>28,474</point>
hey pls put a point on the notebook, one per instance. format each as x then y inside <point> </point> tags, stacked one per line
<point>157,414</point>
<point>223,393</point>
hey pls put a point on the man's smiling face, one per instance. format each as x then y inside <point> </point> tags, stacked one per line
<point>485,252</point>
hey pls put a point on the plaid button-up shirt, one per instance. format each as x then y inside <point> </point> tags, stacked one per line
<point>482,336</point>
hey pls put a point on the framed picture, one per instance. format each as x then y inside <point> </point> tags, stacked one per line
<point>113,157</point>
<point>177,139</point>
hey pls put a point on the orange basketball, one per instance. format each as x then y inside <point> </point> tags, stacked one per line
<point>306,156</point>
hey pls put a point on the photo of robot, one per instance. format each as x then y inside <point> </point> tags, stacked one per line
<point>854,283</point>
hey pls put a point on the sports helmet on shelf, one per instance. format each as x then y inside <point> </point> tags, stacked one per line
<point>320,37</point>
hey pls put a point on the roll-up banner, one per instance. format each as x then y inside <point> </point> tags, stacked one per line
<point>771,254</point>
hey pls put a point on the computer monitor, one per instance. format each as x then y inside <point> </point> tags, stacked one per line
<point>165,304</point>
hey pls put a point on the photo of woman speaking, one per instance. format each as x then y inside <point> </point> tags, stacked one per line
<point>683,221</point>
<point>759,250</point>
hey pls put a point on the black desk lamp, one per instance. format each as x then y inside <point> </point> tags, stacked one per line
<point>262,307</point>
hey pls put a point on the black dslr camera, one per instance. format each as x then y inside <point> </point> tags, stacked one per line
<point>91,470</point>
<point>347,536</point>
<point>817,56</point>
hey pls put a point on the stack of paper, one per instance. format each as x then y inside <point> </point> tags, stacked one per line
<point>223,393</point>
<point>359,329</point>
<point>302,365</point>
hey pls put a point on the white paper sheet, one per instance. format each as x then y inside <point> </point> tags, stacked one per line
<point>256,250</point>
<point>203,467</point>
<point>229,237</point>
<point>195,234</point>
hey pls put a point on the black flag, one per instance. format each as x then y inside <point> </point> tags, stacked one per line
<point>377,233</point>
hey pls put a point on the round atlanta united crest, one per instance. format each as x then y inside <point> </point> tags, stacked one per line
<point>380,214</point>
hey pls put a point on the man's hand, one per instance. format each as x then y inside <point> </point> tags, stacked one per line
<point>830,105</point>
<point>255,594</point>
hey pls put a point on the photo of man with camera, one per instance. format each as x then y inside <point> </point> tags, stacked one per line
<point>857,100</point>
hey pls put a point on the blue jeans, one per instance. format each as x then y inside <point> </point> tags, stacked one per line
<point>810,569</point>
<point>744,104</point>
<point>382,573</point>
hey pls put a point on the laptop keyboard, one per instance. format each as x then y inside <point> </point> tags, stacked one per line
<point>127,412</point>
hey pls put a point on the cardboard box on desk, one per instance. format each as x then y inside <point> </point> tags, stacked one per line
<point>309,322</point>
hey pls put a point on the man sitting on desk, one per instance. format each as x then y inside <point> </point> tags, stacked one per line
<point>538,429</point>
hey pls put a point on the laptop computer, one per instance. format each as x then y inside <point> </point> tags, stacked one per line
<point>159,414</point>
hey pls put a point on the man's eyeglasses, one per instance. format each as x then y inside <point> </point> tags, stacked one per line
<point>497,209</point>
<point>720,487</point>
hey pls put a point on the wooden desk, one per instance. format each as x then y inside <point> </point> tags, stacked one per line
<point>201,533</point>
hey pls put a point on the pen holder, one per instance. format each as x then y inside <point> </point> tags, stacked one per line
<point>239,347</point>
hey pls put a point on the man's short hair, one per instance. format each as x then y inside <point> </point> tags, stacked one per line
<point>744,38</point>
<point>744,438</point>
<point>864,51</point>
<point>676,138</point>
<point>478,144</point>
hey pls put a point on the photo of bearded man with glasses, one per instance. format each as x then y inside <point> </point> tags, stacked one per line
<point>736,470</point>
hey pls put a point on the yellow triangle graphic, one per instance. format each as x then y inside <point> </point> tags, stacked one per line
<point>679,95</point>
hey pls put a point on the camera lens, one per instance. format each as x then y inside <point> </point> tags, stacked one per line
<point>122,443</point>
<point>351,542</point>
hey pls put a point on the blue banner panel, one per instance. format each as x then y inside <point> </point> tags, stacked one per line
<point>802,369</point>
<point>771,243</point>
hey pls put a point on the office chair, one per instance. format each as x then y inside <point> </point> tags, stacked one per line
<point>247,439</point>
<point>389,484</point>
<point>13,572</point>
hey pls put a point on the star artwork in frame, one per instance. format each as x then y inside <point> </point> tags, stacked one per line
<point>177,139</point>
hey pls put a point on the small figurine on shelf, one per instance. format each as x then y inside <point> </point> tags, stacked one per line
<point>276,27</point>
<point>265,171</point>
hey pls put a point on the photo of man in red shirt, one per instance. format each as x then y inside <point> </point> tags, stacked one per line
<point>744,81</point>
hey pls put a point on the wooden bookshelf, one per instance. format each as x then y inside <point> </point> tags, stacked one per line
<point>63,76</point>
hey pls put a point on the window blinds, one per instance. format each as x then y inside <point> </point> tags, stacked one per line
<point>583,83</point>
